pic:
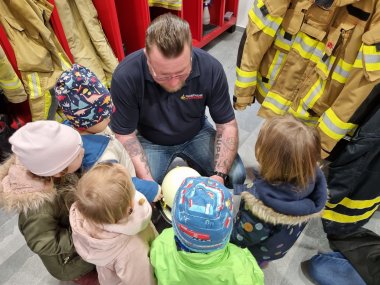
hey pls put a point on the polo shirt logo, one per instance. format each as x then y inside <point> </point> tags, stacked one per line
<point>192,97</point>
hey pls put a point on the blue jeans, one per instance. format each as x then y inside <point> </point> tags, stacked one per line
<point>197,152</point>
<point>333,269</point>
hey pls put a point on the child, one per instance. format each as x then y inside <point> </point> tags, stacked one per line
<point>289,189</point>
<point>87,105</point>
<point>34,181</point>
<point>197,249</point>
<point>111,228</point>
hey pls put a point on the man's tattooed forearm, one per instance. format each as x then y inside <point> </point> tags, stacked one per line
<point>133,147</point>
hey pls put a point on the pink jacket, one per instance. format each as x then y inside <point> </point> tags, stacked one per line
<point>119,251</point>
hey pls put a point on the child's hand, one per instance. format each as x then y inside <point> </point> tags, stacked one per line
<point>159,195</point>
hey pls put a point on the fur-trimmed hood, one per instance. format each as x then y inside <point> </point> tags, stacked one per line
<point>280,204</point>
<point>22,191</point>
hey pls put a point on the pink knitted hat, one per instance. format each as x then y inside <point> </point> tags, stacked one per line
<point>46,148</point>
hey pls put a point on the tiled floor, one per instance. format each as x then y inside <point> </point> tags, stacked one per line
<point>18,265</point>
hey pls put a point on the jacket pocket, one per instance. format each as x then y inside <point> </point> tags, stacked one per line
<point>30,51</point>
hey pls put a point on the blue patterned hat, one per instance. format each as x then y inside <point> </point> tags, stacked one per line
<point>202,214</point>
<point>84,100</point>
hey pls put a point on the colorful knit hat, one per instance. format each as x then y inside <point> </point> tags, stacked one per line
<point>84,100</point>
<point>202,214</point>
<point>46,148</point>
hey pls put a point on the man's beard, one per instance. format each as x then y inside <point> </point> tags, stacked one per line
<point>172,90</point>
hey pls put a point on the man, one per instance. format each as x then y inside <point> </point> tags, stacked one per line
<point>161,93</point>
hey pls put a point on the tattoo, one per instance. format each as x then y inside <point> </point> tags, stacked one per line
<point>225,149</point>
<point>135,149</point>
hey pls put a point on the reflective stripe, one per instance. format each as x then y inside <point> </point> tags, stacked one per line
<point>341,218</point>
<point>268,24</point>
<point>332,126</point>
<point>245,78</point>
<point>177,5</point>
<point>276,103</point>
<point>358,61</point>
<point>34,85</point>
<point>281,42</point>
<point>314,93</point>
<point>263,87</point>
<point>11,84</point>
<point>341,71</point>
<point>275,67</point>
<point>312,50</point>
<point>325,66</point>
<point>64,64</point>
<point>108,83</point>
<point>308,48</point>
<point>47,104</point>
<point>371,58</point>
<point>304,116</point>
<point>355,204</point>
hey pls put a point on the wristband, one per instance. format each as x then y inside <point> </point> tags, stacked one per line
<point>221,174</point>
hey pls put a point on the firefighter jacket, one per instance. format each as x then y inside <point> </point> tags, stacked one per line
<point>85,36</point>
<point>9,81</point>
<point>40,57</point>
<point>317,60</point>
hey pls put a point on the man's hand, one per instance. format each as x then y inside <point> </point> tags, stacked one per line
<point>217,178</point>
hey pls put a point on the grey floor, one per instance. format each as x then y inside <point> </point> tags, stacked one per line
<point>18,265</point>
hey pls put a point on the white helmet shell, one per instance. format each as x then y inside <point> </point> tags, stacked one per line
<point>172,180</point>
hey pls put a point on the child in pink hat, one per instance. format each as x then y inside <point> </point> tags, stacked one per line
<point>36,181</point>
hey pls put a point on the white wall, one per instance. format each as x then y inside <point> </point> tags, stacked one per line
<point>244,6</point>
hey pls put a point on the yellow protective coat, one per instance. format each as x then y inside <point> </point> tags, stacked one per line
<point>9,81</point>
<point>85,36</point>
<point>317,63</point>
<point>40,57</point>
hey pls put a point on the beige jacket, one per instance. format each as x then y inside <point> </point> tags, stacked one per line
<point>317,63</point>
<point>40,57</point>
<point>85,36</point>
<point>9,81</point>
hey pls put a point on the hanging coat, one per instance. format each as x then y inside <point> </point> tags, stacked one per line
<point>317,60</point>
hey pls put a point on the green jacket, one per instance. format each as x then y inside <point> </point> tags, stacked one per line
<point>44,222</point>
<point>231,265</point>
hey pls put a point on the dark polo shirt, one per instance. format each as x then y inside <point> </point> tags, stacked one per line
<point>168,118</point>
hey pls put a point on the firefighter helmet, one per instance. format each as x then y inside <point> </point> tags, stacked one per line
<point>172,181</point>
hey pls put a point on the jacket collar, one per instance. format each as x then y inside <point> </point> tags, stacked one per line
<point>22,191</point>
<point>282,204</point>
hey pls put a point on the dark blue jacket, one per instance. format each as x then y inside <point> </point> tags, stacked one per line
<point>271,217</point>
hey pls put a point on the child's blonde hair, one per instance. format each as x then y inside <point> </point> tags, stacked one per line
<point>105,193</point>
<point>288,151</point>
